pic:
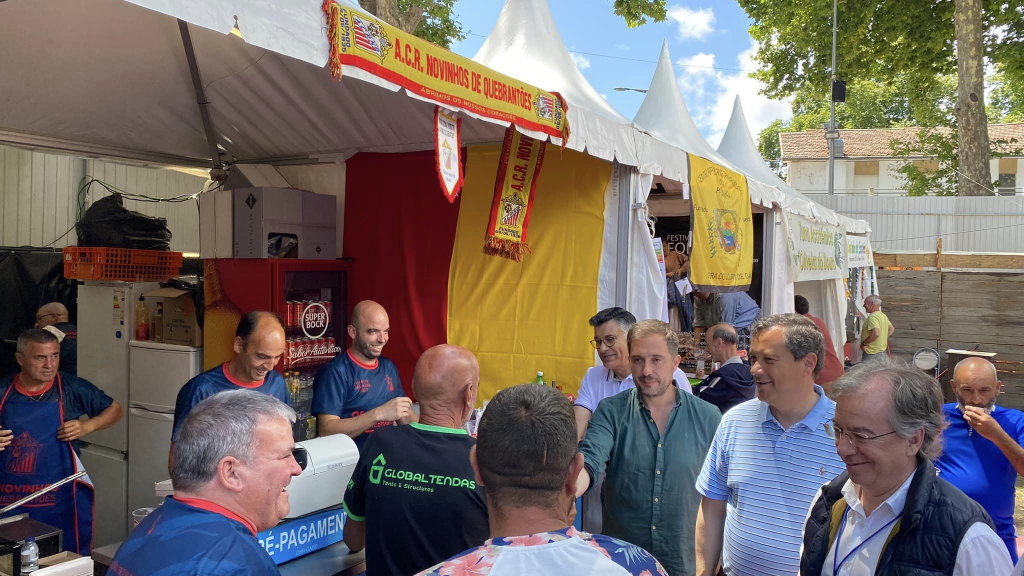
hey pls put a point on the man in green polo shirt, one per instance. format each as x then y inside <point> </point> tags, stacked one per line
<point>651,441</point>
<point>413,500</point>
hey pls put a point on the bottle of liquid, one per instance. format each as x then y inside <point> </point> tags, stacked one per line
<point>29,556</point>
<point>141,319</point>
<point>310,427</point>
<point>539,379</point>
<point>158,323</point>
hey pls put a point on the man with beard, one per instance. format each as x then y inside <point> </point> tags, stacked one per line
<point>360,391</point>
<point>981,446</point>
<point>651,441</point>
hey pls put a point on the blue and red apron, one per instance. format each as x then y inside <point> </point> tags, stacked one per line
<point>35,459</point>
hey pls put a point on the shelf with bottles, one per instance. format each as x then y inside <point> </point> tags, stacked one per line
<point>300,398</point>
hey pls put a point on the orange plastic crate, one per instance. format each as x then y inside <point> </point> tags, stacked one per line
<point>124,264</point>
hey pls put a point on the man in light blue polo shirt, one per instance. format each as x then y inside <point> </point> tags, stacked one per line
<point>769,457</point>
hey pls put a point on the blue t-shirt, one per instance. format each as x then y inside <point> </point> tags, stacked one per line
<point>979,469</point>
<point>347,388</point>
<point>81,398</point>
<point>181,539</point>
<point>218,380</point>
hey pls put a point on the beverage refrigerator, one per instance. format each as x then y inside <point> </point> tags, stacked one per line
<point>310,296</point>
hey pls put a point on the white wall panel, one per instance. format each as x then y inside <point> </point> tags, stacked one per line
<point>38,197</point>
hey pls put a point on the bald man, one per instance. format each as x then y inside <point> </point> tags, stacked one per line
<point>413,500</point>
<point>981,446</point>
<point>53,317</point>
<point>731,384</point>
<point>359,392</point>
<point>259,345</point>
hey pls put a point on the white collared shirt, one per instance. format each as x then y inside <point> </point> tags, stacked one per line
<point>981,552</point>
<point>600,383</point>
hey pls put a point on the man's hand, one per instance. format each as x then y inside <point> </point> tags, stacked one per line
<point>984,423</point>
<point>6,437</point>
<point>397,409</point>
<point>73,430</point>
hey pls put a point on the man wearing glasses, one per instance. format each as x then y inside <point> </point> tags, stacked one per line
<point>889,513</point>
<point>768,458</point>
<point>613,376</point>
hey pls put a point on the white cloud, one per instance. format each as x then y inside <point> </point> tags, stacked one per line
<point>710,93</point>
<point>692,24</point>
<point>582,62</point>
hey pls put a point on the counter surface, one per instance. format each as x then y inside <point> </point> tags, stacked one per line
<point>334,560</point>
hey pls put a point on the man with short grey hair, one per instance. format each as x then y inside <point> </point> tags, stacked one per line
<point>874,335</point>
<point>768,458</point>
<point>981,445</point>
<point>232,463</point>
<point>731,383</point>
<point>887,429</point>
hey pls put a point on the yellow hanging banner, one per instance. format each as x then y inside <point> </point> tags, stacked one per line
<point>722,257</point>
<point>515,187</point>
<point>432,72</point>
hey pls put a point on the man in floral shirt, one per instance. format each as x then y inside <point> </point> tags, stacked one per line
<point>527,460</point>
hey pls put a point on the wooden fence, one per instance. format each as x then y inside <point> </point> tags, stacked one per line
<point>959,310</point>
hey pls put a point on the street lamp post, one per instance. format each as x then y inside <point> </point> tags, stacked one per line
<point>832,133</point>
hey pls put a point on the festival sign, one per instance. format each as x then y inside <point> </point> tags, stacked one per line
<point>859,252</point>
<point>722,258</point>
<point>817,250</point>
<point>514,189</point>
<point>448,152</point>
<point>434,73</point>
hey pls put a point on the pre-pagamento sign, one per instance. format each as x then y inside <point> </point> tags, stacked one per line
<point>817,250</point>
<point>301,536</point>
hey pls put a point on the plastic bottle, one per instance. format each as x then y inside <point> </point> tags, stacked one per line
<point>157,329</point>
<point>29,556</point>
<point>141,319</point>
<point>540,378</point>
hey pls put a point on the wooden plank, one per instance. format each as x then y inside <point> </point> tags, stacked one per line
<point>65,196</point>
<point>49,215</point>
<point>950,260</point>
<point>38,199</point>
<point>8,196</point>
<point>24,197</point>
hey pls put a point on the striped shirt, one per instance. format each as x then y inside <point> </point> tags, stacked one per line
<point>769,476</point>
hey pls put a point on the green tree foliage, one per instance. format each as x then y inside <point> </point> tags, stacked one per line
<point>905,44</point>
<point>432,20</point>
<point>637,12</point>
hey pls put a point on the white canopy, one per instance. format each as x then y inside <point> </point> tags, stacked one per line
<point>526,45</point>
<point>738,148</point>
<point>664,115</point>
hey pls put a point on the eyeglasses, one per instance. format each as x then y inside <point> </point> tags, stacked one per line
<point>608,341</point>
<point>301,456</point>
<point>836,433</point>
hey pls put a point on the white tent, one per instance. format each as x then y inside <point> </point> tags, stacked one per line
<point>738,148</point>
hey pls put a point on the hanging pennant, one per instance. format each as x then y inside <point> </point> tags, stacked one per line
<point>448,151</point>
<point>722,259</point>
<point>514,188</point>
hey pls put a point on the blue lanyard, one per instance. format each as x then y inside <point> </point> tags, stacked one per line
<point>842,525</point>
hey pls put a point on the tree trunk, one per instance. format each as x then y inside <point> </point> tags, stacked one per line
<point>975,178</point>
<point>388,11</point>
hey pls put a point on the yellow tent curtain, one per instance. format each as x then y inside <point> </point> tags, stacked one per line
<point>523,317</point>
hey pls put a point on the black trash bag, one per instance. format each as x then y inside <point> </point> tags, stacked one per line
<point>108,224</point>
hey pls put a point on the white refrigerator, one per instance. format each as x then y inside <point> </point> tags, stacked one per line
<point>156,373</point>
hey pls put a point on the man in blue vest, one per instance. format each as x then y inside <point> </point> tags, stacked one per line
<point>981,446</point>
<point>232,463</point>
<point>889,513</point>
<point>731,383</point>
<point>40,426</point>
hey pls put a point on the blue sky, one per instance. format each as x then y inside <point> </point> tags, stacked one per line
<point>707,39</point>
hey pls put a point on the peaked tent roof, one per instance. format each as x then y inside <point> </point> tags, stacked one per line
<point>663,114</point>
<point>525,44</point>
<point>738,147</point>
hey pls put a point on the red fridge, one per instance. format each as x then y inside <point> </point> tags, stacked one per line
<point>310,296</point>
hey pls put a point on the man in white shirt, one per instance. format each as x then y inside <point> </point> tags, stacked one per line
<point>889,513</point>
<point>615,374</point>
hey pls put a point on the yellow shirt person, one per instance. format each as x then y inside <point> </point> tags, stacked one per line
<point>874,336</point>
